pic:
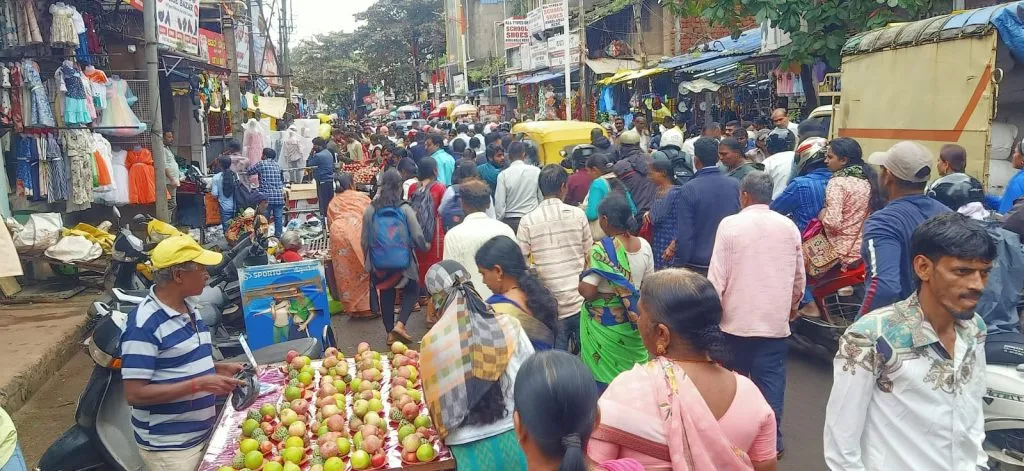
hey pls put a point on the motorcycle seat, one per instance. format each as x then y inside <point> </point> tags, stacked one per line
<point>129,296</point>
<point>1004,348</point>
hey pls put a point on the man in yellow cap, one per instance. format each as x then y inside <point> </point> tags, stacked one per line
<point>170,379</point>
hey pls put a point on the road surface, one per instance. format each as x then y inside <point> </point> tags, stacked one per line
<point>52,410</point>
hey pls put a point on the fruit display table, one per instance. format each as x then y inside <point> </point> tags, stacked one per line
<point>337,414</point>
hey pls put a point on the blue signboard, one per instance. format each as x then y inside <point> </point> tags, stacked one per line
<point>284,301</point>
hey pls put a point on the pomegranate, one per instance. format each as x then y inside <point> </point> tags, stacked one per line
<point>330,361</point>
<point>328,437</point>
<point>335,423</point>
<point>330,410</point>
<point>410,411</point>
<point>369,430</point>
<point>297,363</point>
<point>330,352</point>
<point>301,406</point>
<point>362,347</point>
<point>397,392</point>
<point>411,442</point>
<point>329,449</point>
<point>372,443</point>
<point>324,401</point>
<point>327,390</point>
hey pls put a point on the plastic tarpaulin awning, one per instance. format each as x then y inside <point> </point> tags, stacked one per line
<point>538,78</point>
<point>273,106</point>
<point>605,66</point>
<point>627,75</point>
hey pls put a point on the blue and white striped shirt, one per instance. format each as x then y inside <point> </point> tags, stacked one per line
<point>161,345</point>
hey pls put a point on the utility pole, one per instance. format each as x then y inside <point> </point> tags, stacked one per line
<point>465,48</point>
<point>254,26</point>
<point>156,125</point>
<point>285,66</point>
<point>584,88</point>
<point>227,24</point>
<point>567,60</point>
<point>637,4</point>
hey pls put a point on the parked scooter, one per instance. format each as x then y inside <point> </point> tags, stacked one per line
<point>839,298</point>
<point>102,436</point>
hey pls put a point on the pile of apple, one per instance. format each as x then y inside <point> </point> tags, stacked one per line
<point>366,422</point>
<point>416,436</point>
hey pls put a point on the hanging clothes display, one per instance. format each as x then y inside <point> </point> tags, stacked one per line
<point>141,176</point>
<point>82,52</point>
<point>40,115</point>
<point>103,179</point>
<point>28,26</point>
<point>76,109</point>
<point>253,141</point>
<point>99,83</point>
<point>90,33</point>
<point>78,147</point>
<point>120,194</point>
<point>17,90</point>
<point>119,119</point>
<point>5,95</point>
<point>62,30</point>
<point>28,156</point>
<point>87,90</point>
<point>292,158</point>
<point>58,179</point>
<point>8,25</point>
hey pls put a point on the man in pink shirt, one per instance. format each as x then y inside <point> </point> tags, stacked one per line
<point>757,266</point>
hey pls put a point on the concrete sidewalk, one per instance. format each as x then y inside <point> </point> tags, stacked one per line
<point>35,342</point>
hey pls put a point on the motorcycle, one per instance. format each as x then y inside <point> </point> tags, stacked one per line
<point>1003,402</point>
<point>839,297</point>
<point>102,437</point>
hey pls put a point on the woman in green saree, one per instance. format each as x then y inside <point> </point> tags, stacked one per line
<point>609,341</point>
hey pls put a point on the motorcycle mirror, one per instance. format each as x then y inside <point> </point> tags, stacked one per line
<point>117,212</point>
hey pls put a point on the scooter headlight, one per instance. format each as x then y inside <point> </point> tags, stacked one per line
<point>102,358</point>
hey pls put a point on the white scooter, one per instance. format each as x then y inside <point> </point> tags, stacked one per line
<point>1004,401</point>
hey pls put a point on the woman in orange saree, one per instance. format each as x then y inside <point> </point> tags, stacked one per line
<point>345,220</point>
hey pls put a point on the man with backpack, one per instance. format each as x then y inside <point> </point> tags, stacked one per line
<point>462,241</point>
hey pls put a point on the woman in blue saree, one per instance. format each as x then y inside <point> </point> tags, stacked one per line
<point>517,291</point>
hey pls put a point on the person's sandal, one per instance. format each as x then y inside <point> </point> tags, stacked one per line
<point>400,333</point>
<point>391,338</point>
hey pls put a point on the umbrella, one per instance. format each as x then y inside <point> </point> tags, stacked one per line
<point>408,109</point>
<point>378,112</point>
<point>464,108</point>
<point>446,104</point>
<point>436,113</point>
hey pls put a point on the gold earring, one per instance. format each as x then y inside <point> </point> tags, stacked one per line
<point>661,349</point>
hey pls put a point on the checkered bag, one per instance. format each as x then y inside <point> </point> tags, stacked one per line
<point>820,255</point>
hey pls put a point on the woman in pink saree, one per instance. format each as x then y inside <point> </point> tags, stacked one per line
<point>682,411</point>
<point>345,220</point>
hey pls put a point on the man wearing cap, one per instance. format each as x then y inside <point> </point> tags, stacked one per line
<point>906,167</point>
<point>170,379</point>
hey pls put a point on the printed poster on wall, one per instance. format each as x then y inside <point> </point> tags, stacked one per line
<point>178,25</point>
<point>212,48</point>
<point>554,15</point>
<point>517,32</point>
<point>535,21</point>
<point>284,301</point>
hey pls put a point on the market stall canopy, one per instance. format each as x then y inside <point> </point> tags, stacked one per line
<point>968,23</point>
<point>697,86</point>
<point>605,65</point>
<point>378,112</point>
<point>718,53</point>
<point>627,75</point>
<point>447,104</point>
<point>273,106</point>
<point>408,109</point>
<point>464,108</point>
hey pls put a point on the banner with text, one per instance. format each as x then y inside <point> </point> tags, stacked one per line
<point>178,25</point>
<point>212,48</point>
<point>554,14</point>
<point>517,32</point>
<point>556,50</point>
<point>535,21</point>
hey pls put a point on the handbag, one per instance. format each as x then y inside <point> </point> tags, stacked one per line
<point>820,255</point>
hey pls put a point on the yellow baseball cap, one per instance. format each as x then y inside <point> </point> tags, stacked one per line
<point>182,249</point>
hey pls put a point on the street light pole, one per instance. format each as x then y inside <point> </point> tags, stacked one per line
<point>156,127</point>
<point>568,62</point>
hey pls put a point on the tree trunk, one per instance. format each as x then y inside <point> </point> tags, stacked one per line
<point>810,91</point>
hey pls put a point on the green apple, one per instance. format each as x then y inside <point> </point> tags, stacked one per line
<point>425,452</point>
<point>293,454</point>
<point>306,360</point>
<point>248,445</point>
<point>405,431</point>
<point>248,426</point>
<point>268,409</point>
<point>333,464</point>
<point>422,421</point>
<point>344,446</point>
<point>306,369</point>
<point>225,468</point>
<point>272,466</point>
<point>375,405</point>
<point>415,394</point>
<point>292,393</point>
<point>360,459</point>
<point>294,442</point>
<point>323,430</point>
<point>289,466</point>
<point>253,459</point>
<point>306,378</point>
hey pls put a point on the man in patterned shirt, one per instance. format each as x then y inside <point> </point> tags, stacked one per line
<point>910,377</point>
<point>272,185</point>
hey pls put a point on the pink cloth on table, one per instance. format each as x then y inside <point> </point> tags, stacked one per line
<point>757,268</point>
<point>846,209</point>
<point>748,424</point>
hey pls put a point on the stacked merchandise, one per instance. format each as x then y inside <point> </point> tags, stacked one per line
<point>359,413</point>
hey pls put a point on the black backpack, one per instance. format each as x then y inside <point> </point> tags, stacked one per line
<point>451,211</point>
<point>423,203</point>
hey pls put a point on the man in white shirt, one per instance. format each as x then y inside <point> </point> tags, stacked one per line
<point>517,193</point>
<point>463,240</point>
<point>713,130</point>
<point>781,120</point>
<point>779,164</point>
<point>556,239</point>
<point>909,378</point>
<point>463,133</point>
<point>671,134</point>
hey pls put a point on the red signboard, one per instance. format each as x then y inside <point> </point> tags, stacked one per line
<point>212,48</point>
<point>136,4</point>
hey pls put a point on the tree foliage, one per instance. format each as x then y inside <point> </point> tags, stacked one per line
<point>818,28</point>
<point>392,46</point>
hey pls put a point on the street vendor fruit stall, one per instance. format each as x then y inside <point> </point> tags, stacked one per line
<point>363,412</point>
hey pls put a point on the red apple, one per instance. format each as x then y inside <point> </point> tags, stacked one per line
<point>266,447</point>
<point>290,356</point>
<point>410,411</point>
<point>297,363</point>
<point>268,429</point>
<point>300,406</point>
<point>377,460</point>
<point>372,443</point>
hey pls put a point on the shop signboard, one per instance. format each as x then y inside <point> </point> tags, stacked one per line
<point>517,32</point>
<point>538,55</point>
<point>242,49</point>
<point>212,48</point>
<point>556,50</point>
<point>535,21</point>
<point>554,14</point>
<point>459,84</point>
<point>178,25</point>
<point>284,301</point>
